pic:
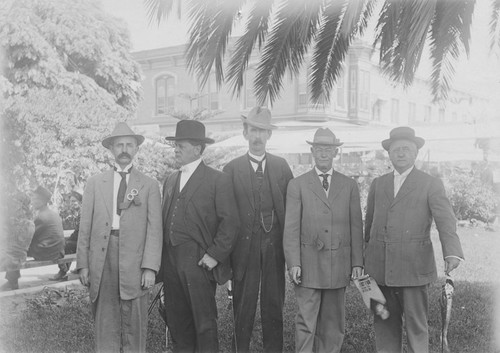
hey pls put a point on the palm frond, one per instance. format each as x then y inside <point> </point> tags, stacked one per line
<point>158,10</point>
<point>402,36</point>
<point>341,22</point>
<point>255,32</point>
<point>495,25</point>
<point>450,36</point>
<point>212,22</point>
<point>291,35</point>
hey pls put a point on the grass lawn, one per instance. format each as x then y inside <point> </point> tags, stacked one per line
<point>60,321</point>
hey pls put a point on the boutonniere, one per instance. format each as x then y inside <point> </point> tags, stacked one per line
<point>132,196</point>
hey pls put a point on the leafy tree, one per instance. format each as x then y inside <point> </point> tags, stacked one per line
<point>284,31</point>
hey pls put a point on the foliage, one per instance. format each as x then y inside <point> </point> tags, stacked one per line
<point>284,32</point>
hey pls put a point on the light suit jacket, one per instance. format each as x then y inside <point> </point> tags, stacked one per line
<point>399,251</point>
<point>140,231</point>
<point>324,236</point>
<point>279,175</point>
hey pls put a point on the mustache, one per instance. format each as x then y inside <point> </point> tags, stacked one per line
<point>124,154</point>
<point>257,141</point>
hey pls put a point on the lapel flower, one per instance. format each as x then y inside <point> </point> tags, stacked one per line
<point>133,196</point>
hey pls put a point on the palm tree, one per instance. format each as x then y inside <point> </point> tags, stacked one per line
<point>284,31</point>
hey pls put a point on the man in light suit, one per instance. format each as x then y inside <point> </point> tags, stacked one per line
<point>323,243</point>
<point>399,254</point>
<point>200,226</point>
<point>119,246</point>
<point>259,181</point>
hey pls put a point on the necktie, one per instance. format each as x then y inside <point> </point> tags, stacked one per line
<point>325,181</point>
<point>259,172</point>
<point>122,189</point>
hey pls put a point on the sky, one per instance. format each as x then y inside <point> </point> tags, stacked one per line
<point>480,72</point>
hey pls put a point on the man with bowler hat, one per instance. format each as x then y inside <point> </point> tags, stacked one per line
<point>259,181</point>
<point>200,223</point>
<point>398,252</point>
<point>119,246</point>
<point>323,245</point>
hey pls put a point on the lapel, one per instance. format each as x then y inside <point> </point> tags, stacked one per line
<point>135,181</point>
<point>316,187</point>
<point>107,191</point>
<point>168,191</point>
<point>388,186</point>
<point>195,181</point>
<point>408,186</point>
<point>244,169</point>
<point>335,187</point>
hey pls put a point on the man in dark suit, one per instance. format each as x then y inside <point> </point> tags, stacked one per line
<point>259,180</point>
<point>200,226</point>
<point>323,245</point>
<point>399,253</point>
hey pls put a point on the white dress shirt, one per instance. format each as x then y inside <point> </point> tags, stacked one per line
<point>399,179</point>
<point>258,158</point>
<point>329,178</point>
<point>186,172</point>
<point>117,178</point>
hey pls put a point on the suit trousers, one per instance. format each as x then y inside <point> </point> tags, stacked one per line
<point>412,304</point>
<point>320,320</point>
<point>265,269</point>
<point>120,325</point>
<point>190,300</point>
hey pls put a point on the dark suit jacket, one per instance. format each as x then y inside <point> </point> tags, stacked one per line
<point>210,214</point>
<point>399,251</point>
<point>239,170</point>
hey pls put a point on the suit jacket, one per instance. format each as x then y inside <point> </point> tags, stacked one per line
<point>399,251</point>
<point>48,241</point>
<point>324,236</point>
<point>279,175</point>
<point>140,231</point>
<point>210,214</point>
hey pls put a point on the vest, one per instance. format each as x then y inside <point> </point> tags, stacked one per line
<point>263,201</point>
<point>175,226</point>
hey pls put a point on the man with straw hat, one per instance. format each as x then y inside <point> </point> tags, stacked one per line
<point>259,181</point>
<point>323,245</point>
<point>119,246</point>
<point>399,254</point>
<point>200,223</point>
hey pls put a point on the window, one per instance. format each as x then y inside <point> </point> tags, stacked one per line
<point>364,90</point>
<point>427,113</point>
<point>302,96</point>
<point>165,94</point>
<point>209,96</point>
<point>340,91</point>
<point>412,113</point>
<point>249,98</point>
<point>353,88</point>
<point>394,110</point>
<point>441,115</point>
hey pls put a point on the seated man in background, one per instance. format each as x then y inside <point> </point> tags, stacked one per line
<point>48,240</point>
<point>75,201</point>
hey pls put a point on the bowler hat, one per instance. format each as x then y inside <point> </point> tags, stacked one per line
<point>402,133</point>
<point>324,136</point>
<point>122,130</point>
<point>259,117</point>
<point>43,193</point>
<point>190,130</point>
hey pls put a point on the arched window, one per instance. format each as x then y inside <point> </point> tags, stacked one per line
<point>165,94</point>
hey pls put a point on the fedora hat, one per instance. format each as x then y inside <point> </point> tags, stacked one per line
<point>402,133</point>
<point>121,130</point>
<point>324,136</point>
<point>259,117</point>
<point>190,130</point>
<point>43,193</point>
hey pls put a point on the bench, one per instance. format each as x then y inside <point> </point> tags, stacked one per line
<point>31,263</point>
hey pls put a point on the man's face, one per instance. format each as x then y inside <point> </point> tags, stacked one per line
<point>37,201</point>
<point>403,154</point>
<point>257,139</point>
<point>185,152</point>
<point>74,202</point>
<point>323,156</point>
<point>124,149</point>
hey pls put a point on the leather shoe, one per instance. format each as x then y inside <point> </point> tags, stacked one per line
<point>60,277</point>
<point>9,286</point>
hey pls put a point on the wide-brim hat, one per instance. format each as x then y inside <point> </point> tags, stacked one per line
<point>259,117</point>
<point>402,133</point>
<point>122,130</point>
<point>190,130</point>
<point>324,136</point>
<point>43,193</point>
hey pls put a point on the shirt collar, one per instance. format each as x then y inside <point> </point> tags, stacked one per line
<point>405,173</point>
<point>190,167</point>
<point>259,158</point>
<point>126,169</point>
<point>319,172</point>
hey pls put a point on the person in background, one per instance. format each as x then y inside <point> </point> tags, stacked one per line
<point>399,254</point>
<point>259,181</point>
<point>323,244</point>
<point>75,201</point>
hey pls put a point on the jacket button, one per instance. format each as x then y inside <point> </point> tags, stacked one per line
<point>106,223</point>
<point>105,237</point>
<point>103,249</point>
